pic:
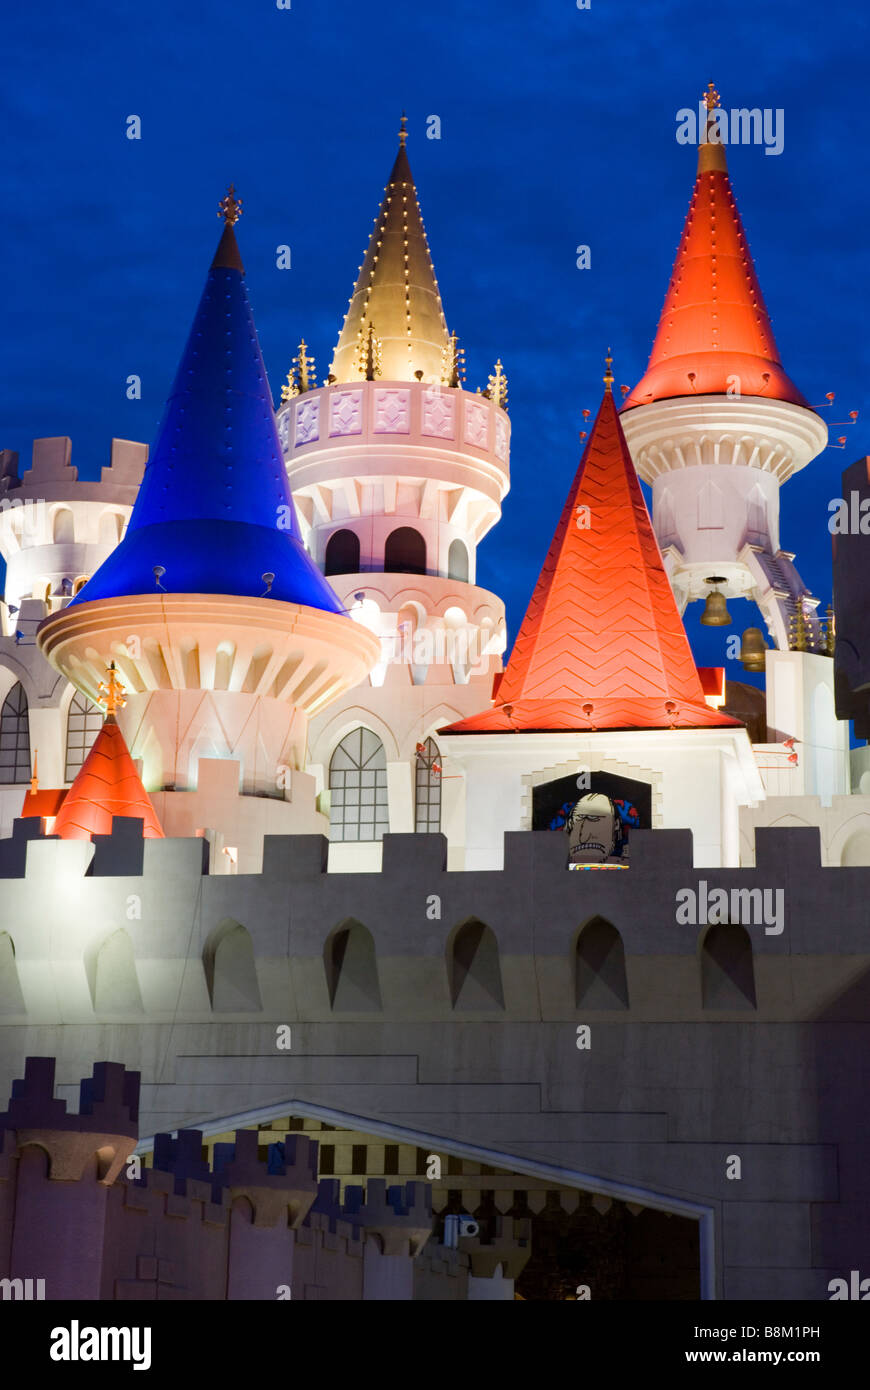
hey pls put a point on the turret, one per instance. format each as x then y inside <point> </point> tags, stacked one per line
<point>398,473</point>
<point>716,425</point>
<point>225,635</point>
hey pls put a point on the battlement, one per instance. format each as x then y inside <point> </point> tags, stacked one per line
<point>113,919</point>
<point>246,1226</point>
<point>54,476</point>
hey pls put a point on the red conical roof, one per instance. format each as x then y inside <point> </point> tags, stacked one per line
<point>602,645</point>
<point>714,324</point>
<point>107,785</point>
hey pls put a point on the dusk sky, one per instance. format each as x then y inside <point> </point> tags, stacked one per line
<point>557,129</point>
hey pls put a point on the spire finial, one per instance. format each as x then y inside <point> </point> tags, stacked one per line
<point>711,97</point>
<point>112,690</point>
<point>608,373</point>
<point>403,132</point>
<point>230,207</point>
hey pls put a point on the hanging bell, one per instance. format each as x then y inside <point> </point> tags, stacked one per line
<point>752,649</point>
<point>715,612</point>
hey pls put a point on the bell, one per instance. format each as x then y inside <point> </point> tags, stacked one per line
<point>752,649</point>
<point>715,612</point>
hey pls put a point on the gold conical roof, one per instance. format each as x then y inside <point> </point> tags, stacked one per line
<point>396,293</point>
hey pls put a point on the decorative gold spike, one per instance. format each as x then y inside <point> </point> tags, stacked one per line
<point>303,373</point>
<point>711,97</point>
<point>230,207</point>
<point>800,634</point>
<point>289,390</point>
<point>608,377</point>
<point>496,391</point>
<point>112,690</point>
<point>368,353</point>
<point>831,640</point>
<point>452,363</point>
<point>403,133</point>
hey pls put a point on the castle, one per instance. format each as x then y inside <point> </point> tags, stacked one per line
<point>285,845</point>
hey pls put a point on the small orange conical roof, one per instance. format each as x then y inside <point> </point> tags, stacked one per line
<point>714,326</point>
<point>107,785</point>
<point>602,645</point>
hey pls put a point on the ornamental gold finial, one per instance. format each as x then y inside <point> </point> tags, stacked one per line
<point>711,97</point>
<point>230,207</point>
<point>112,690</point>
<point>403,132</point>
<point>608,373</point>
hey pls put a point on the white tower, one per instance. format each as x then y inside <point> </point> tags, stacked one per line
<point>715,425</point>
<point>398,473</point>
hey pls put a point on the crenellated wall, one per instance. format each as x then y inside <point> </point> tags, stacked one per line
<point>443,1009</point>
<point>74,1215</point>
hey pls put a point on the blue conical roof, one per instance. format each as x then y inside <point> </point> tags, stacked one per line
<point>214,510</point>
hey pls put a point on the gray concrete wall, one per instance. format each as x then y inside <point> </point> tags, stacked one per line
<point>668,1092</point>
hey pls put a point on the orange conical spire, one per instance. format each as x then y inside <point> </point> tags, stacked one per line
<point>107,784</point>
<point>714,334</point>
<point>602,645</point>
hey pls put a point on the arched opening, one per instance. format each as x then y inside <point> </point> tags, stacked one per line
<point>427,809</point>
<point>727,971</point>
<point>474,969</point>
<point>342,553</point>
<point>113,979</point>
<point>352,968</point>
<point>405,552</point>
<point>599,967</point>
<point>457,561</point>
<point>15,737</point>
<point>358,802</point>
<point>83,723</point>
<point>231,971</point>
<point>11,998</point>
<point>79,583</point>
<point>63,529</point>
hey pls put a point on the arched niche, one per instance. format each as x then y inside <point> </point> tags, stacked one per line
<point>351,966</point>
<point>230,969</point>
<point>600,980</point>
<point>474,969</point>
<point>727,969</point>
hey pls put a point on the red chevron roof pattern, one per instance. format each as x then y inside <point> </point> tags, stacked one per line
<point>107,785</point>
<point>714,324</point>
<point>602,645</point>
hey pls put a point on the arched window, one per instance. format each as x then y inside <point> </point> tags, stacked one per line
<point>359,809</point>
<point>599,967</point>
<point>352,968</point>
<point>231,971</point>
<point>427,818</point>
<point>405,552</point>
<point>474,969</point>
<point>83,723</point>
<point>727,973</point>
<point>14,737</point>
<point>457,561</point>
<point>342,553</point>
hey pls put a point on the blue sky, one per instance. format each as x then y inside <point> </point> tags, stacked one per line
<point>558,128</point>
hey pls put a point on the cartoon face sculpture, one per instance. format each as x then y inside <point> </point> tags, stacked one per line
<point>593,831</point>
